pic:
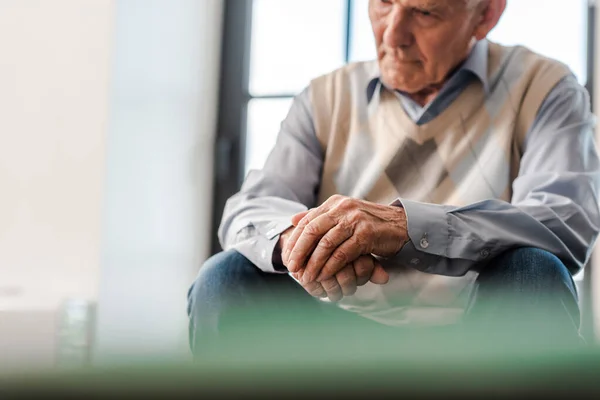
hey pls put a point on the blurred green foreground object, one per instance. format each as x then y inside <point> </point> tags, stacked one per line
<point>428,369</point>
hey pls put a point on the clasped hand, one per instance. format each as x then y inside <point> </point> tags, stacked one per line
<point>330,249</point>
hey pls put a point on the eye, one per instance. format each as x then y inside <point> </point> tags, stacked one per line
<point>386,1</point>
<point>424,13</point>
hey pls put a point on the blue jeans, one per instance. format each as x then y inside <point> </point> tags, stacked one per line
<point>525,295</point>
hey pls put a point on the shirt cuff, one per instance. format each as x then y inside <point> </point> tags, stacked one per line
<point>272,232</point>
<point>258,251</point>
<point>410,256</point>
<point>433,247</point>
<point>257,242</point>
<point>427,226</point>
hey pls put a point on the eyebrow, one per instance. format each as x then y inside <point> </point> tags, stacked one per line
<point>432,5</point>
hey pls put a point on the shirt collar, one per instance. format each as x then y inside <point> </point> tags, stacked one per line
<point>476,64</point>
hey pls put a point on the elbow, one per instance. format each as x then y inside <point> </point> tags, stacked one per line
<point>579,254</point>
<point>581,240</point>
<point>224,230</point>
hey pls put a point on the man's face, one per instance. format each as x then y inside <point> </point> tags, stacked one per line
<point>419,42</point>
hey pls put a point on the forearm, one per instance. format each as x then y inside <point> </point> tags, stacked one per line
<point>451,241</point>
<point>254,218</point>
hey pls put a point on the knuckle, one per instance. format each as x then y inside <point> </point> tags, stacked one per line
<point>327,243</point>
<point>346,203</point>
<point>361,239</point>
<point>330,285</point>
<point>304,221</point>
<point>332,217</point>
<point>346,279</point>
<point>346,228</point>
<point>363,263</point>
<point>362,269</point>
<point>343,278</point>
<point>354,216</point>
<point>346,273</point>
<point>311,229</point>
<point>312,286</point>
<point>340,256</point>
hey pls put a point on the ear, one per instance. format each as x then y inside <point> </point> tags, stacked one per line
<point>489,13</point>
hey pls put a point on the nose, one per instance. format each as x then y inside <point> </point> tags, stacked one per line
<point>398,31</point>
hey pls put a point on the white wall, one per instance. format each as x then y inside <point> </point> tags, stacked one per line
<point>54,74</point>
<point>159,174</point>
<point>107,120</point>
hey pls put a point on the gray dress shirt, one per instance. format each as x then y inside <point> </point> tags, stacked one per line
<point>554,204</point>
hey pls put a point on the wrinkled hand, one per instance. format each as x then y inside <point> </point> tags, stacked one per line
<point>330,237</point>
<point>346,282</point>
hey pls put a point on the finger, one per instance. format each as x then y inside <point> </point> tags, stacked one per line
<point>308,240</point>
<point>363,268</point>
<point>346,278</point>
<point>345,254</point>
<point>380,275</point>
<point>309,215</point>
<point>297,275</point>
<point>333,289</point>
<point>315,289</point>
<point>296,218</point>
<point>291,241</point>
<point>299,267</point>
<point>325,248</point>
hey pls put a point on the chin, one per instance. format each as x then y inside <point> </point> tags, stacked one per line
<point>404,78</point>
<point>402,85</point>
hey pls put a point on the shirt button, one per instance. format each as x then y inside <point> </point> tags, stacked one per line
<point>424,243</point>
<point>263,254</point>
<point>415,261</point>
<point>485,253</point>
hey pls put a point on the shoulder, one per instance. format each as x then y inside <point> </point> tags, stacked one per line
<point>337,96</point>
<point>520,64</point>
<point>543,90</point>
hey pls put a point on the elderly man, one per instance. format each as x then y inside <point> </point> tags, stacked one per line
<point>451,182</point>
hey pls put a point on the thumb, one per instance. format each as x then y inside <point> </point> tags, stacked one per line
<point>379,276</point>
<point>296,218</point>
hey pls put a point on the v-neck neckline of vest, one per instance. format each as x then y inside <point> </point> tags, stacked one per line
<point>454,116</point>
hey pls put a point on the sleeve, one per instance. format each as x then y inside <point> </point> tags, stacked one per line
<point>254,218</point>
<point>554,205</point>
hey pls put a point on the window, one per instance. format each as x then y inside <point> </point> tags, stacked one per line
<point>272,48</point>
<point>292,42</point>
<point>295,40</point>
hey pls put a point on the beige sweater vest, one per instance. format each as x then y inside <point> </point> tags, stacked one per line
<point>468,153</point>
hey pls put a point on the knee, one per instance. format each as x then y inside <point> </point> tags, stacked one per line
<point>530,265</point>
<point>528,260</point>
<point>221,276</point>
